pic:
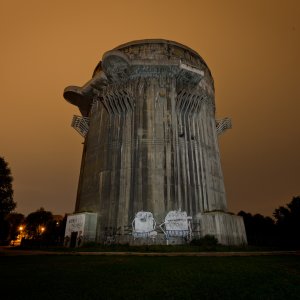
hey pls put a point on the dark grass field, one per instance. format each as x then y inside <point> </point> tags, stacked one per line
<point>127,277</point>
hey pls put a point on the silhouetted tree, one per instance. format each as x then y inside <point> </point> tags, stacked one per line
<point>288,223</point>
<point>7,203</point>
<point>15,220</point>
<point>38,223</point>
<point>260,230</point>
<point>61,229</point>
<point>283,232</point>
<point>43,230</point>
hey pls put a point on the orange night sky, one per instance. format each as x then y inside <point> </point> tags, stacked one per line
<point>251,47</point>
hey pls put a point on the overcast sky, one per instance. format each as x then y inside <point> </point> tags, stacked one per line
<point>251,47</point>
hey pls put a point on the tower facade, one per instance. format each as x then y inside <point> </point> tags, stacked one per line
<point>151,141</point>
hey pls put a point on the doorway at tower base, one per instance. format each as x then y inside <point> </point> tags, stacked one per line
<point>80,229</point>
<point>227,228</point>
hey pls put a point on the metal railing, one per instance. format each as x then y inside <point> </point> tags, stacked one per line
<point>223,124</point>
<point>81,125</point>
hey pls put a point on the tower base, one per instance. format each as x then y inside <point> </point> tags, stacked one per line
<point>80,229</point>
<point>227,228</point>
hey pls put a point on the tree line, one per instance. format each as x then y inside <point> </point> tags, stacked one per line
<point>40,226</point>
<point>282,230</point>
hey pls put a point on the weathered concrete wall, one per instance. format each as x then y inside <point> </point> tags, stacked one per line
<point>228,229</point>
<point>152,142</point>
<point>84,225</point>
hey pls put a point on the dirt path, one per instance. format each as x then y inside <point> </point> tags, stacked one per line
<point>9,251</point>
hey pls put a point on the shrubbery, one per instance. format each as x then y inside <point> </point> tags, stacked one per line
<point>208,242</point>
<point>282,231</point>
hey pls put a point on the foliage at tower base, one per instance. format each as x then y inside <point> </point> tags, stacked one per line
<point>7,203</point>
<point>41,229</point>
<point>283,231</point>
<point>288,223</point>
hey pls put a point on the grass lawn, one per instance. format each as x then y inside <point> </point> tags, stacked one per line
<point>127,277</point>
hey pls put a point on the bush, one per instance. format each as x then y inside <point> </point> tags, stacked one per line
<point>38,243</point>
<point>208,242</point>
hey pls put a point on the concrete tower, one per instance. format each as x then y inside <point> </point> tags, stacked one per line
<point>151,141</point>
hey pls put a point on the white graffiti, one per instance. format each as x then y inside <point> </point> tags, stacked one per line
<point>143,225</point>
<point>177,224</point>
